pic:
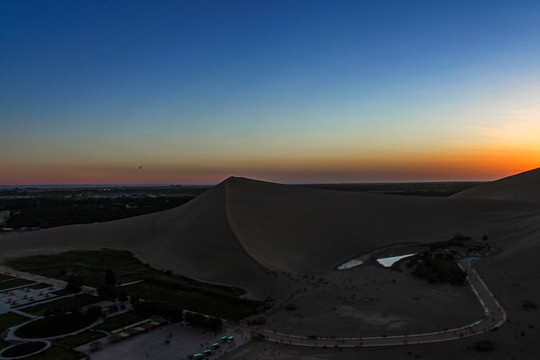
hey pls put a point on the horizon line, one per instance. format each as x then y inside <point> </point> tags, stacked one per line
<point>25,186</point>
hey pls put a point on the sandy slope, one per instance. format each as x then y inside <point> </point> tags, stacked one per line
<point>524,186</point>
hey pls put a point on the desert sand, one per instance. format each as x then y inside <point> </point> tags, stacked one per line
<point>524,186</point>
<point>285,242</point>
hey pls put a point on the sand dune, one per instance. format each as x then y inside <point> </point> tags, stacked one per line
<point>306,230</point>
<point>241,228</point>
<point>524,186</point>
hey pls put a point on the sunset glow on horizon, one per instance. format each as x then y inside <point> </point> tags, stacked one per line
<point>292,92</point>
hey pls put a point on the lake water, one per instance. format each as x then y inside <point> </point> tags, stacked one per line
<point>353,263</point>
<point>350,264</point>
<point>389,261</point>
<point>385,261</point>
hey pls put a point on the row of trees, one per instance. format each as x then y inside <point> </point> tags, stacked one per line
<point>108,290</point>
<point>437,269</point>
<point>46,212</point>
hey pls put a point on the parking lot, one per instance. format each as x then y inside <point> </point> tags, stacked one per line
<point>183,341</point>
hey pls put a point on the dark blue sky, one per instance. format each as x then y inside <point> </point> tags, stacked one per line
<point>283,90</point>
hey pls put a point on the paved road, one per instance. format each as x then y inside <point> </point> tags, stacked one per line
<point>494,316</point>
<point>184,341</point>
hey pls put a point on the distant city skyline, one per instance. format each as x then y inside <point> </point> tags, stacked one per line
<point>192,92</point>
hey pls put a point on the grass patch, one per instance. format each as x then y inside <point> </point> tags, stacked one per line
<point>119,321</point>
<point>54,325</point>
<point>214,304</point>
<point>24,349</point>
<point>91,266</point>
<point>57,353</point>
<point>15,282</point>
<point>11,319</point>
<point>158,286</point>
<point>71,342</point>
<point>5,277</point>
<point>73,302</point>
<point>4,344</point>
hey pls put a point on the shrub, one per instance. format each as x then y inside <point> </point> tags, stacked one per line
<point>74,283</point>
<point>529,305</point>
<point>484,345</point>
<point>203,322</point>
<point>150,308</point>
<point>93,313</point>
<point>24,349</point>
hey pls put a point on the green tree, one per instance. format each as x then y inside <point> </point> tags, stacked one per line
<point>74,283</point>
<point>93,313</point>
<point>108,290</point>
<point>110,277</point>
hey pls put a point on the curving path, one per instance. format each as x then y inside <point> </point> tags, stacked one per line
<point>48,344</point>
<point>494,316</point>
